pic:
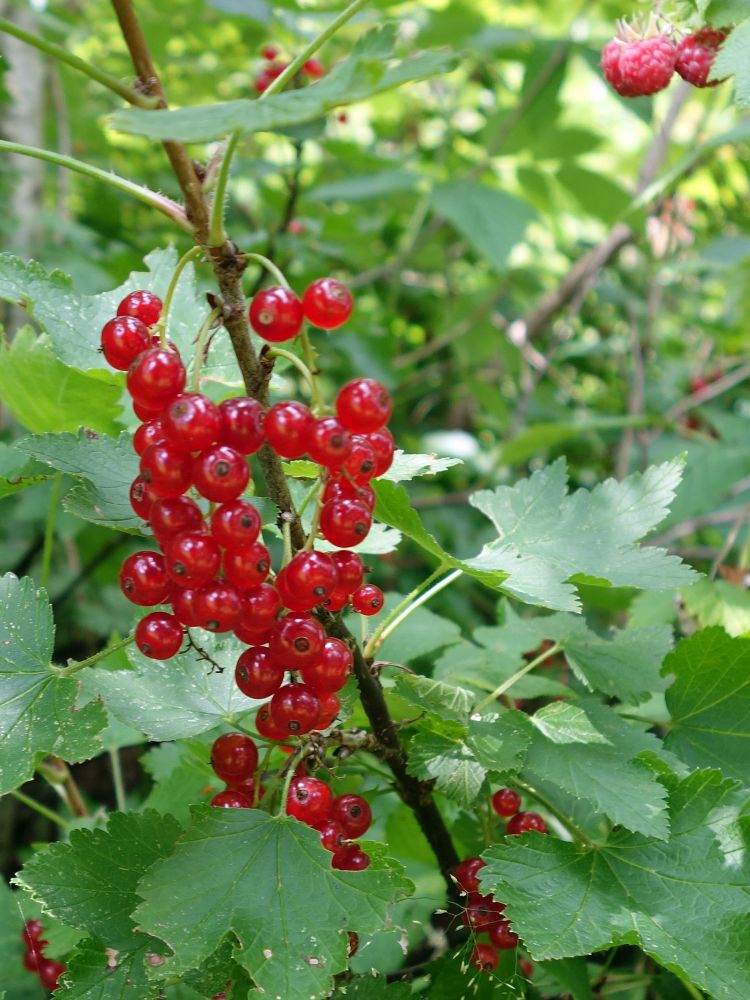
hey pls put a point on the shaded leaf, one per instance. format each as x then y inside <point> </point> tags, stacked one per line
<point>561,722</point>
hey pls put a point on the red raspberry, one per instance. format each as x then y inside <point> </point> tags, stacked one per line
<point>696,54</point>
<point>638,67</point>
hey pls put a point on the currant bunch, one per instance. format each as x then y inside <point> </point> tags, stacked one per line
<point>48,970</point>
<point>234,758</point>
<point>482,914</point>
<point>339,821</point>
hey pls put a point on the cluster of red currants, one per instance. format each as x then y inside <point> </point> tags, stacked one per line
<point>482,914</point>
<point>48,970</point>
<point>273,67</point>
<point>212,567</point>
<point>339,821</point>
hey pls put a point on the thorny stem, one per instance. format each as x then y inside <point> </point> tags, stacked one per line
<point>129,94</point>
<point>73,668</point>
<point>200,348</point>
<point>49,529</point>
<point>41,809</point>
<point>161,203</point>
<point>183,262</point>
<point>419,596</point>
<point>527,668</point>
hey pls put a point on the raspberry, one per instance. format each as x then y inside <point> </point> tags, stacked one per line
<point>696,54</point>
<point>638,67</point>
<point>158,635</point>
<point>276,314</point>
<point>327,303</point>
<point>144,305</point>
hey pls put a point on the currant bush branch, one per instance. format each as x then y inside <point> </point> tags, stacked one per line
<point>74,667</point>
<point>419,596</point>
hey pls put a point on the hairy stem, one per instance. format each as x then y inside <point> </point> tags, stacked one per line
<point>129,94</point>
<point>183,262</point>
<point>73,668</point>
<point>39,808</point>
<point>162,204</point>
<point>419,596</point>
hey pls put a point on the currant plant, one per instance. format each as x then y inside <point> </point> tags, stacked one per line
<point>537,789</point>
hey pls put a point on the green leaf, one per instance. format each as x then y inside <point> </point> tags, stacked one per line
<point>94,973</point>
<point>684,901</point>
<point>16,979</point>
<point>500,740</point>
<point>38,713</point>
<point>425,633</point>
<point>734,60</point>
<point>623,789</point>
<point>548,536</point>
<point>446,700</point>
<point>540,437</point>
<point>181,697</point>
<point>106,467</point>
<point>43,394</point>
<point>561,722</point>
<point>491,221</point>
<point>17,472</point>
<point>242,863</point>
<point>572,975</point>
<point>450,763</point>
<point>709,702</point>
<point>719,602</point>
<point>363,75</point>
<point>483,670</point>
<point>406,467</point>
<point>181,779</point>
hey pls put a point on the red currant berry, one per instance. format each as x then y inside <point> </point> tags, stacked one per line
<point>337,601</point>
<point>32,931</point>
<point>260,608</point>
<point>481,912</point>
<point>353,813</point>
<point>502,936</point>
<point>330,706</point>
<point>295,709</point>
<point>269,52</point>
<point>242,424</point>
<point>218,605</point>
<point>332,835</point>
<point>506,802</point>
<point>276,314</point>
<point>230,798</point>
<point>166,470</point>
<point>49,974</point>
<point>156,376</point>
<point>523,822</point>
<point>191,422</point>
<point>247,567</point>
<point>368,600</point>
<point>269,74</point>
<point>123,339</point>
<point>484,958</point>
<point>236,524</point>
<point>247,787</point>
<point>327,303</point>
<point>287,427</point>
<point>234,757</point>
<point>144,579</point>
<point>289,597</point>
<point>328,443</point>
<point>361,463</point>
<point>220,474</point>
<point>314,68</point>
<point>350,570</point>
<point>144,305</point>
<point>526,968</point>
<point>297,641</point>
<point>172,515</point>
<point>363,406</point>
<point>141,498</point>
<point>257,673</point>
<point>183,606</point>
<point>309,800</point>
<point>384,447</point>
<point>312,576</point>
<point>346,489</point>
<point>145,412</point>
<point>158,635</point>
<point>466,874</point>
<point>331,670</point>
<point>345,522</point>
<point>149,433</point>
<point>34,955</point>
<point>351,858</point>
<point>193,558</point>
<point>266,726</point>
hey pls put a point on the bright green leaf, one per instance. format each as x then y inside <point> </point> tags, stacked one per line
<point>562,722</point>
<point>719,602</point>
<point>450,763</point>
<point>241,864</point>
<point>734,60</point>
<point>38,713</point>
